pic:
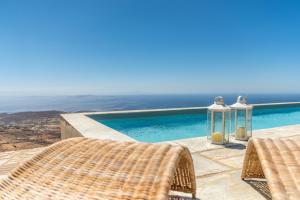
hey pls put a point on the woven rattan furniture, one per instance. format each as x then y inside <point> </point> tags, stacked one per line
<point>82,168</point>
<point>278,161</point>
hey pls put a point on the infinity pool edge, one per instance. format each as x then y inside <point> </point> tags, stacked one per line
<point>81,125</point>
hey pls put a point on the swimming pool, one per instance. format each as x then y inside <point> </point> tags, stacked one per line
<point>157,127</point>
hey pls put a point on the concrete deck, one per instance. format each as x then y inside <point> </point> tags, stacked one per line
<point>218,168</point>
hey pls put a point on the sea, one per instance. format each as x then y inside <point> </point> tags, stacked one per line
<point>79,103</point>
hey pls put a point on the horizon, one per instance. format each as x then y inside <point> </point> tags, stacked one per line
<point>158,94</point>
<point>49,48</point>
<point>91,103</point>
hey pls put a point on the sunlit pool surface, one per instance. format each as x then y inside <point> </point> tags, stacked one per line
<point>157,128</point>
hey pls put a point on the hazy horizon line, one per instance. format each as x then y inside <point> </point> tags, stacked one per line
<point>156,94</point>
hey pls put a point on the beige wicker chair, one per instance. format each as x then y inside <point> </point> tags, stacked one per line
<point>82,168</point>
<point>277,160</point>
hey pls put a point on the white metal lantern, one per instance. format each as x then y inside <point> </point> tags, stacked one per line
<point>218,122</point>
<point>242,119</point>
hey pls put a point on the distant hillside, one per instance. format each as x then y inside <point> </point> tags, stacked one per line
<point>22,116</point>
<point>29,129</point>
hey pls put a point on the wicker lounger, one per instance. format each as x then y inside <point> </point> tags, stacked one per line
<point>277,160</point>
<point>81,168</point>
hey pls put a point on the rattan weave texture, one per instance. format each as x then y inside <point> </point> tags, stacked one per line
<point>277,160</point>
<point>81,168</point>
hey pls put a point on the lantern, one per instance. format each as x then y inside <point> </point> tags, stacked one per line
<point>218,118</point>
<point>242,119</point>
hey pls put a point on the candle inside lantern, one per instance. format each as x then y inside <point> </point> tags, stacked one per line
<point>217,137</point>
<point>241,133</point>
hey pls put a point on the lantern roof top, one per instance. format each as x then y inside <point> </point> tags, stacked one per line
<point>219,105</point>
<point>241,103</point>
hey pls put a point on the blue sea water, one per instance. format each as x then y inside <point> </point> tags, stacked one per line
<point>126,102</point>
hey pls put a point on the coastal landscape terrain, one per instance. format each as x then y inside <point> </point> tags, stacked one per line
<point>26,130</point>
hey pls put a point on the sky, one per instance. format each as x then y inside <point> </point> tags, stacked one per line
<point>104,47</point>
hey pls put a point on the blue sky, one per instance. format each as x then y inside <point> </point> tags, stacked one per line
<point>66,47</point>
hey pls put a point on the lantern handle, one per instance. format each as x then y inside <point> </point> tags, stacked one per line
<point>219,100</point>
<point>242,99</point>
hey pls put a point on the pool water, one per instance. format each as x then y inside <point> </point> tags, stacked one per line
<point>157,128</point>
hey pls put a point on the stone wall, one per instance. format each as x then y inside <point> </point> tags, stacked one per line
<point>68,131</point>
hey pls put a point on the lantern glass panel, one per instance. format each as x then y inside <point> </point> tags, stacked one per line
<point>227,125</point>
<point>218,126</point>
<point>209,124</point>
<point>249,123</point>
<point>218,119</point>
<point>241,124</point>
<point>232,118</point>
<point>241,118</point>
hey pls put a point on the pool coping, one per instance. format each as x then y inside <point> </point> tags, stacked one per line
<point>81,125</point>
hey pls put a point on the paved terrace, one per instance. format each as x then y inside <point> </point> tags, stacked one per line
<point>217,168</point>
